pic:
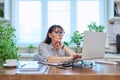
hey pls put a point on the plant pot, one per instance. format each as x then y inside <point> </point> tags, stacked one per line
<point>30,50</point>
<point>78,49</point>
<point>73,48</point>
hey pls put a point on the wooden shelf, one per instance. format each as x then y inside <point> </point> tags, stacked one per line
<point>112,43</point>
<point>115,18</point>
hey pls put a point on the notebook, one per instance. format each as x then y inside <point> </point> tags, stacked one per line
<point>32,67</point>
<point>29,66</point>
<point>93,45</point>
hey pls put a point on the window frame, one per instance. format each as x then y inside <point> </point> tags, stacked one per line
<point>12,11</point>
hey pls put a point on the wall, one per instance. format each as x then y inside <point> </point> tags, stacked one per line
<point>1,1</point>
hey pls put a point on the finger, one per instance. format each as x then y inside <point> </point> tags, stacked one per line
<point>75,56</point>
<point>78,56</point>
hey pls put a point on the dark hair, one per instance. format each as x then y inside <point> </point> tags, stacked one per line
<point>50,30</point>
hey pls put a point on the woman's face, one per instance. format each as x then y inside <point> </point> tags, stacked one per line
<point>56,35</point>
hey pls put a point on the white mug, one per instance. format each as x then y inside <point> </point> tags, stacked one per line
<point>11,61</point>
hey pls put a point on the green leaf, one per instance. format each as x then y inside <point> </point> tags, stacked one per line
<point>96,28</point>
<point>77,37</point>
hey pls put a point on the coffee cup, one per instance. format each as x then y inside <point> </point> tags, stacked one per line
<point>11,62</point>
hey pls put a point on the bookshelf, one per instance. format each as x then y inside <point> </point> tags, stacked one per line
<point>114,22</point>
<point>116,8</point>
<point>115,11</point>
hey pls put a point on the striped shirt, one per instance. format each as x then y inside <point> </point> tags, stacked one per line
<point>45,50</point>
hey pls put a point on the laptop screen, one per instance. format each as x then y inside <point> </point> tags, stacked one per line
<point>93,45</point>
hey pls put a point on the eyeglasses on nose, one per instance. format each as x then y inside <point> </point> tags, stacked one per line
<point>59,33</point>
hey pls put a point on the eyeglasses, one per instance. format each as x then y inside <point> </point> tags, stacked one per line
<point>59,33</point>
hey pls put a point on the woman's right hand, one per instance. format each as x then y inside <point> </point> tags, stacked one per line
<point>75,56</point>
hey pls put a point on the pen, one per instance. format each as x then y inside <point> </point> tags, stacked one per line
<point>23,65</point>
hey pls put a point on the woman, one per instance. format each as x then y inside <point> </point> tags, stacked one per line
<point>52,49</point>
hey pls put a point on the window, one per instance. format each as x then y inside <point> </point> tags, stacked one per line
<point>36,16</point>
<point>29,21</point>
<point>59,13</point>
<point>87,12</point>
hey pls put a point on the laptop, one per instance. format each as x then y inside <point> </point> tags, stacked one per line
<point>93,45</point>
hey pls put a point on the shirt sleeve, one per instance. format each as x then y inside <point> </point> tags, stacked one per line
<point>43,51</point>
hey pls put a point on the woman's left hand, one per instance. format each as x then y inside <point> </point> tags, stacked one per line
<point>58,44</point>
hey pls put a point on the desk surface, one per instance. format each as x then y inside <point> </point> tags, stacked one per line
<point>97,72</point>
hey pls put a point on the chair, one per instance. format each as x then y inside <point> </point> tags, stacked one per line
<point>36,57</point>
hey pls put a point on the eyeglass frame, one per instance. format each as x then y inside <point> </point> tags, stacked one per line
<point>59,33</point>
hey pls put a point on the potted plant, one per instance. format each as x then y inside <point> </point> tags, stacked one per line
<point>77,38</point>
<point>96,28</point>
<point>31,48</point>
<point>8,48</point>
